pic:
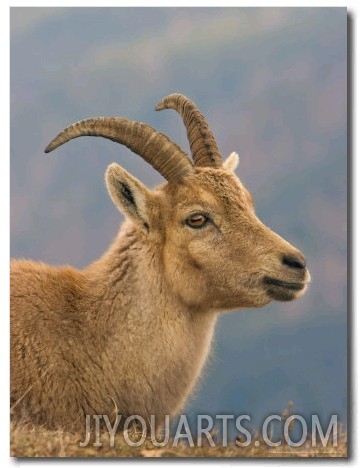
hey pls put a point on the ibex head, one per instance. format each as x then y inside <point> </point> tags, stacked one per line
<point>214,251</point>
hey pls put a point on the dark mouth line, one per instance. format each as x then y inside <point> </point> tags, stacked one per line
<point>283,284</point>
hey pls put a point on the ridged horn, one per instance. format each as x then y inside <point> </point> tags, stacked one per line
<point>203,146</point>
<point>164,155</point>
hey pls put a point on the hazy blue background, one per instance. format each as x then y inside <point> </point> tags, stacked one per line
<point>272,83</point>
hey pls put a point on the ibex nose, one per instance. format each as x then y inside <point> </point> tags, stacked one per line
<point>294,261</point>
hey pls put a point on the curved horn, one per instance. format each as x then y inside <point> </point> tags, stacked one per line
<point>164,155</point>
<point>203,146</point>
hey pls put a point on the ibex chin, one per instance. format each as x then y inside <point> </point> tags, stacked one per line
<point>131,332</point>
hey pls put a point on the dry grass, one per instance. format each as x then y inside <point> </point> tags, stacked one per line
<point>26,441</point>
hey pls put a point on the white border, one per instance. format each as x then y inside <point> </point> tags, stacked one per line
<point>181,3</point>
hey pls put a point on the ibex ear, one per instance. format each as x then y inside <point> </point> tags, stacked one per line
<point>231,163</point>
<point>129,195</point>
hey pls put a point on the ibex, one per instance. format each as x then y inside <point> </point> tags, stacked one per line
<point>132,331</point>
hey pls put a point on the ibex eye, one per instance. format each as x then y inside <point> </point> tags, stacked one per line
<point>197,220</point>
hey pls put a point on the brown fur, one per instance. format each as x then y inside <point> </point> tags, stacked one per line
<point>131,332</point>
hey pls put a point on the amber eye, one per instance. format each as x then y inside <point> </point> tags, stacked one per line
<point>197,220</point>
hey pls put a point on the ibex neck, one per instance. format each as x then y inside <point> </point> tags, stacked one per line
<point>139,328</point>
<point>128,280</point>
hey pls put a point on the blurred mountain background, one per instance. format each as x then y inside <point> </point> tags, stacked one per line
<point>272,83</point>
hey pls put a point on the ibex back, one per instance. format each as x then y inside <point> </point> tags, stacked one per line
<point>130,333</point>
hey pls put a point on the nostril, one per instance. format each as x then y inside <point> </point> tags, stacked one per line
<point>293,261</point>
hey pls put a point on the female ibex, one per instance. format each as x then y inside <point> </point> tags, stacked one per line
<point>133,330</point>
